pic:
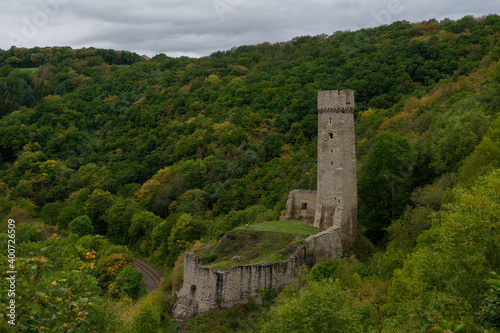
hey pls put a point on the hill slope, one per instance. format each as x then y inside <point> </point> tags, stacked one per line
<point>268,241</point>
<point>86,135</point>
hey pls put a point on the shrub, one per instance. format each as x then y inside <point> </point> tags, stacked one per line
<point>127,282</point>
<point>320,307</point>
<point>148,319</point>
<point>212,256</point>
<point>108,268</point>
<point>324,270</point>
<point>27,233</point>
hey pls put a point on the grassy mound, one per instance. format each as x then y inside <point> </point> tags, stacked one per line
<point>269,241</point>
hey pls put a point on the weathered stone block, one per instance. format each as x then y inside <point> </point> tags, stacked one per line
<point>301,204</point>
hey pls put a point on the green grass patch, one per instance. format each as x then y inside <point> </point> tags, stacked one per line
<point>286,227</point>
<point>28,69</point>
<point>268,241</point>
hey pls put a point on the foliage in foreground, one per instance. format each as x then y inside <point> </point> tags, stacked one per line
<point>445,276</point>
<point>443,282</point>
<point>319,307</point>
<point>60,284</point>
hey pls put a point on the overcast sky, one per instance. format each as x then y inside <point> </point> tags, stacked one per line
<point>199,27</point>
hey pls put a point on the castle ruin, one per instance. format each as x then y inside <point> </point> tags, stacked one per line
<point>332,207</point>
<point>335,200</point>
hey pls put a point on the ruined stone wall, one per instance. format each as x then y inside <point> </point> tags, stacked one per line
<point>337,193</point>
<point>205,289</point>
<point>301,204</point>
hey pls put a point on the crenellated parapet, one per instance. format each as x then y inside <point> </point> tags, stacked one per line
<point>336,101</point>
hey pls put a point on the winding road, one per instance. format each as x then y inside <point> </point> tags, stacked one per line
<point>151,277</point>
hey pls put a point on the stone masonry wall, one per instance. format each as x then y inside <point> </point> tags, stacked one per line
<point>205,289</point>
<point>301,204</point>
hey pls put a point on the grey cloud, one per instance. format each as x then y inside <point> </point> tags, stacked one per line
<point>200,27</point>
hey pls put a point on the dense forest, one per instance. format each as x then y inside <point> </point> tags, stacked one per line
<point>107,155</point>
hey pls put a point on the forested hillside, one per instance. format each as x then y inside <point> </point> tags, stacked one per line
<point>151,153</point>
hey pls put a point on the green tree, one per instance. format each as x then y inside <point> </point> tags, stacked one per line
<point>191,202</point>
<point>5,70</point>
<point>92,175</point>
<point>141,227</point>
<point>27,233</point>
<point>466,124</point>
<point>484,158</point>
<point>119,220</point>
<point>159,238</point>
<point>109,267</point>
<point>81,226</point>
<point>382,180</point>
<point>186,147</point>
<point>271,146</point>
<point>324,270</point>
<point>490,312</point>
<point>95,208</point>
<point>187,229</point>
<point>167,193</point>
<point>67,214</point>
<point>54,299</point>
<point>127,282</point>
<point>51,211</point>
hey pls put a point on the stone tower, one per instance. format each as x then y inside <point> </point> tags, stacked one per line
<point>336,201</point>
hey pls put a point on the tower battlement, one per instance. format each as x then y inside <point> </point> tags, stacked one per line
<point>335,100</point>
